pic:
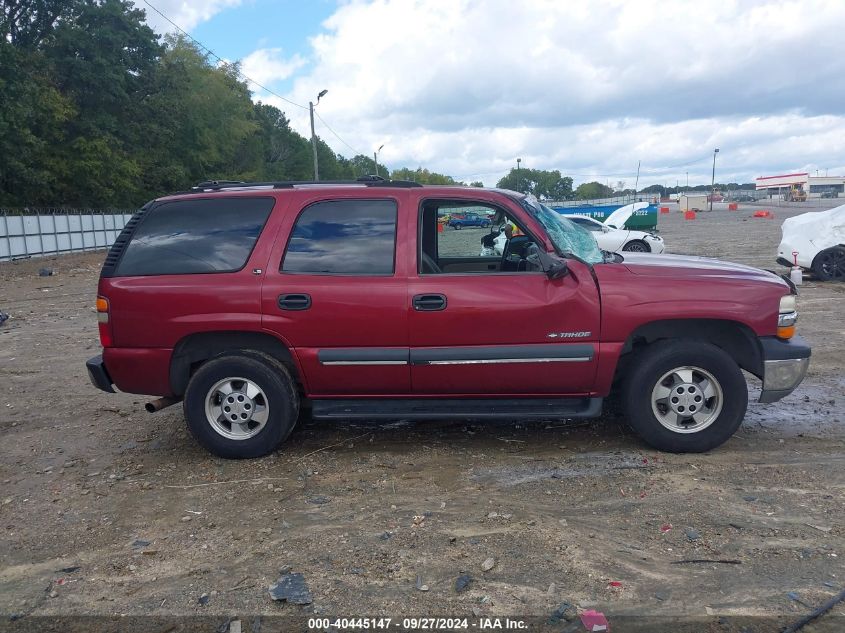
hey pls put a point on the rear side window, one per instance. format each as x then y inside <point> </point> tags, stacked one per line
<point>343,237</point>
<point>195,236</point>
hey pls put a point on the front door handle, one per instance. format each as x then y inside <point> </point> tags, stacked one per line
<point>429,303</point>
<point>294,302</point>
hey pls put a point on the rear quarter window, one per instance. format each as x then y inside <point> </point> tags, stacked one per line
<point>212,235</point>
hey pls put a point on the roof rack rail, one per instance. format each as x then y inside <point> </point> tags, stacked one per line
<point>369,181</point>
<point>208,184</point>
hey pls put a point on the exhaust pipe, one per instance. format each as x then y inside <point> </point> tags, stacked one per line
<point>161,403</point>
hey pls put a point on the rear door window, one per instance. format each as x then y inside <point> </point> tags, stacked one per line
<point>196,236</point>
<point>343,237</point>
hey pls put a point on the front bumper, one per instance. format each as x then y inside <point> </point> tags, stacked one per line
<point>656,246</point>
<point>784,366</point>
<point>97,373</point>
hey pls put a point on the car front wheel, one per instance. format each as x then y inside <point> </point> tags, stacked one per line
<point>685,396</point>
<point>637,246</point>
<point>457,227</point>
<point>241,405</point>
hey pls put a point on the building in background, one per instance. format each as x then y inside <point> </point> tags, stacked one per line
<point>801,186</point>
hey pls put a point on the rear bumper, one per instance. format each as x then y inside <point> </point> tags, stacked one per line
<point>98,375</point>
<point>145,371</point>
<point>784,366</point>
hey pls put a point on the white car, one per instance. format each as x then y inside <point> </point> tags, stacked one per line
<point>612,236</point>
<point>818,239</point>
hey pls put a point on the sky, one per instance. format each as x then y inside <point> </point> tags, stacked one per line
<point>591,88</point>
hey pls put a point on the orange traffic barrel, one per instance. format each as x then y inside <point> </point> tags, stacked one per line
<point>689,215</point>
<point>733,206</point>
<point>763,213</point>
<point>664,209</point>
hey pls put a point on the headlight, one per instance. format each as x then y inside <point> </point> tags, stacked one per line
<point>787,316</point>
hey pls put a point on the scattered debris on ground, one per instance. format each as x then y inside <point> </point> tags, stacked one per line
<point>291,588</point>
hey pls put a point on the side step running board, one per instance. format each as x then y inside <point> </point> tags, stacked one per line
<point>463,408</point>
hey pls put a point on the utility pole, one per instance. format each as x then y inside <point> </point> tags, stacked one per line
<point>375,157</point>
<point>518,161</point>
<point>313,135</point>
<point>713,179</point>
<point>637,181</point>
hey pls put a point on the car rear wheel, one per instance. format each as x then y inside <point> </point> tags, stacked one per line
<point>241,405</point>
<point>829,264</point>
<point>485,225</point>
<point>457,227</point>
<point>637,246</point>
<point>685,396</point>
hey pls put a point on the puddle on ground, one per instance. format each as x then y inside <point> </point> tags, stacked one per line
<point>592,464</point>
<point>811,409</point>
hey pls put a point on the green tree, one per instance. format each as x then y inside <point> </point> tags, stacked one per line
<point>32,118</point>
<point>423,176</point>
<point>592,191</point>
<point>282,154</point>
<point>198,121</point>
<point>27,23</point>
<point>546,185</point>
<point>103,63</point>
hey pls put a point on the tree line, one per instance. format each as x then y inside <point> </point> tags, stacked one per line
<point>97,110</point>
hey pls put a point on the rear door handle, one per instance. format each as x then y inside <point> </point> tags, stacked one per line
<point>429,303</point>
<point>294,302</point>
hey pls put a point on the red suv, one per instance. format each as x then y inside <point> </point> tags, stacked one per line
<point>253,302</point>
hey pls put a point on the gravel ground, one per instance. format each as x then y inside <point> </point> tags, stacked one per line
<point>111,512</point>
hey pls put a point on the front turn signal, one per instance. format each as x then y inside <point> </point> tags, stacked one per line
<point>786,331</point>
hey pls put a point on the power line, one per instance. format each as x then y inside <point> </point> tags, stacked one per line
<point>221,60</point>
<point>336,134</point>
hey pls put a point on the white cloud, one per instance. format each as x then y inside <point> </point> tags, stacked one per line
<point>466,86</point>
<point>267,65</point>
<point>187,14</point>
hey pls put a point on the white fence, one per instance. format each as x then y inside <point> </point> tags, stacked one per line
<point>59,231</point>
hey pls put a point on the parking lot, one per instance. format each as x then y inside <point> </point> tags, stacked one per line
<point>383,519</point>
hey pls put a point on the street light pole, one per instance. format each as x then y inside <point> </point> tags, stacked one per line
<point>713,179</point>
<point>518,161</point>
<point>375,157</point>
<point>313,135</point>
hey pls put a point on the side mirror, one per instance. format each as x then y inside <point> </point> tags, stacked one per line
<point>557,269</point>
<point>606,228</point>
<point>553,266</point>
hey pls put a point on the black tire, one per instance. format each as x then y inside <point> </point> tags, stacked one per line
<point>829,264</point>
<point>637,246</point>
<point>279,395</point>
<point>662,357</point>
<point>457,227</point>
<point>485,225</point>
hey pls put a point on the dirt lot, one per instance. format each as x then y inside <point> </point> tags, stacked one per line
<point>110,511</point>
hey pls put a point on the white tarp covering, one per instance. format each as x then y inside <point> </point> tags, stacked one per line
<point>810,233</point>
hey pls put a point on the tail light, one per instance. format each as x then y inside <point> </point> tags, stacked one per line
<point>103,322</point>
